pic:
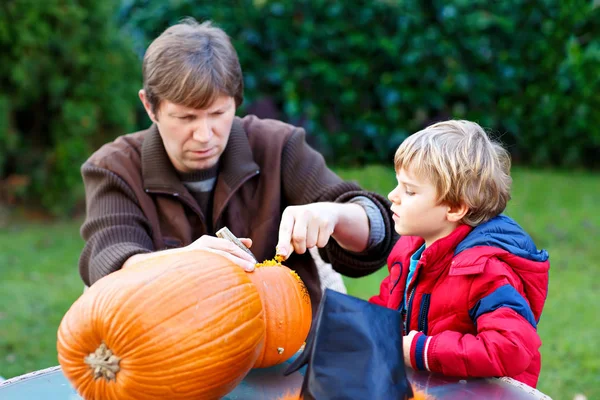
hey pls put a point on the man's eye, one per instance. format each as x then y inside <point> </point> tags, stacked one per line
<point>217,113</point>
<point>186,117</point>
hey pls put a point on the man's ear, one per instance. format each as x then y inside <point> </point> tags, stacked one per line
<point>457,213</point>
<point>147,106</point>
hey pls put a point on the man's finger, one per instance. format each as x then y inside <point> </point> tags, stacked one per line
<point>285,234</point>
<point>233,249</point>
<point>312,234</point>
<point>324,235</point>
<point>229,247</point>
<point>300,232</point>
<point>247,266</point>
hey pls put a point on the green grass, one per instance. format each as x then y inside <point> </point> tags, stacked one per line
<point>38,283</point>
<point>39,278</point>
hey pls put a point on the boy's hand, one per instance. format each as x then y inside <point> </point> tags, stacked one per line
<point>406,344</point>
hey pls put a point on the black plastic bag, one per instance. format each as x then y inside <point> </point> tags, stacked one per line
<point>353,351</point>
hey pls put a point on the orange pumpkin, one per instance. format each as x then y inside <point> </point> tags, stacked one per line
<point>186,325</point>
<point>287,309</point>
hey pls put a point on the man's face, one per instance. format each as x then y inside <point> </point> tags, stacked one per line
<point>194,139</point>
<point>416,209</point>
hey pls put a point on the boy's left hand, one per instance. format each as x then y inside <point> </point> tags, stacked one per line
<point>406,344</point>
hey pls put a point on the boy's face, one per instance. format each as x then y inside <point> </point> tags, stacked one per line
<point>417,211</point>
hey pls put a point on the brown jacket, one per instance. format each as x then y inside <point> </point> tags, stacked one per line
<point>136,202</point>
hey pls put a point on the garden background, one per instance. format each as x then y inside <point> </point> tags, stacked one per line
<point>360,76</point>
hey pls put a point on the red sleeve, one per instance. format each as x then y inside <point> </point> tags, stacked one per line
<point>384,293</point>
<point>506,340</point>
<point>504,345</point>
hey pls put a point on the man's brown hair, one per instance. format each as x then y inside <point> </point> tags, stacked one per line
<point>191,64</point>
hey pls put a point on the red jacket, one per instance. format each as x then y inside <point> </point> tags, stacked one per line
<point>475,299</point>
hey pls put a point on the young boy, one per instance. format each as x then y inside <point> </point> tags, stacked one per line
<point>469,281</point>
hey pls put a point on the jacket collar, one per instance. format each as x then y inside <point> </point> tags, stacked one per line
<point>434,255</point>
<point>235,164</point>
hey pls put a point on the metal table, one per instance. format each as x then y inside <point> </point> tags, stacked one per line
<point>269,383</point>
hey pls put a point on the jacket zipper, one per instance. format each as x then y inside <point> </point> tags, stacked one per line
<point>245,179</point>
<point>410,301</point>
<point>424,310</point>
<point>177,195</point>
<point>194,207</point>
<point>408,310</point>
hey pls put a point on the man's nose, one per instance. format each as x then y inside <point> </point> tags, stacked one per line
<point>202,131</point>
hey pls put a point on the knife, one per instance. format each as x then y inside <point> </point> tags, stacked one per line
<point>225,233</point>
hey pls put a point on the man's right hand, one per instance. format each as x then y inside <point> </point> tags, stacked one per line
<point>212,244</point>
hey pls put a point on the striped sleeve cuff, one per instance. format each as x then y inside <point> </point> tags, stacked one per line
<point>419,348</point>
<point>376,224</point>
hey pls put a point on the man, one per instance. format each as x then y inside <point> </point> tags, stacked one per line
<point>199,168</point>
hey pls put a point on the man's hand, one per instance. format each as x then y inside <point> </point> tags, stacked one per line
<point>226,249</point>
<point>207,243</point>
<point>304,227</point>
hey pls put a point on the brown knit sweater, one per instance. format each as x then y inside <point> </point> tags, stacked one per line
<point>137,203</point>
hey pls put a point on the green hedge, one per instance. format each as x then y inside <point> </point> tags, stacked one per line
<point>359,75</point>
<point>68,82</point>
<point>362,75</point>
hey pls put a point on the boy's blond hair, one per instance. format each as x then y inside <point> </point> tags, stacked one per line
<point>464,165</point>
<point>191,64</point>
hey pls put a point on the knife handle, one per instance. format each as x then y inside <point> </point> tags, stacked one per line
<point>225,233</point>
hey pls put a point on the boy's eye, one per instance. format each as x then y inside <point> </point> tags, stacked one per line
<point>186,117</point>
<point>217,113</point>
<point>408,192</point>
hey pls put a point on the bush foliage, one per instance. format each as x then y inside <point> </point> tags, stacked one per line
<point>68,82</point>
<point>360,76</point>
<point>364,75</point>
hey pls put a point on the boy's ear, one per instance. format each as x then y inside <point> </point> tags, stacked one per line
<point>456,213</point>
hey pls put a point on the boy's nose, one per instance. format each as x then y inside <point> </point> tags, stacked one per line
<point>393,197</point>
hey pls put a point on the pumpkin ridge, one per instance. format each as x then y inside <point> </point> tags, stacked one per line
<point>132,344</point>
<point>71,340</point>
<point>65,330</point>
<point>147,380</point>
<point>156,271</point>
<point>185,351</point>
<point>139,285</point>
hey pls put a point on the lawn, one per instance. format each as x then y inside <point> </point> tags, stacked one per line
<point>39,279</point>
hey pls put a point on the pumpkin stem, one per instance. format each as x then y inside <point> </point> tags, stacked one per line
<point>104,363</point>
